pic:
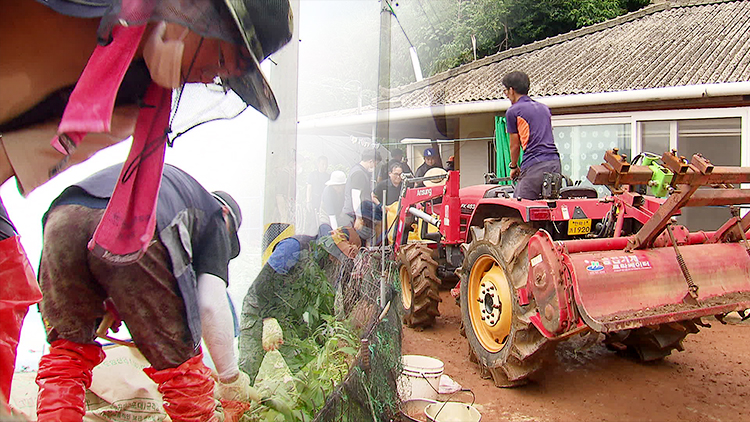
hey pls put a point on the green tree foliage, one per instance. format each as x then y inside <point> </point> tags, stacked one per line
<point>442,30</point>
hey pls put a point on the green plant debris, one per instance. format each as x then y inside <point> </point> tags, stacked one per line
<point>318,373</point>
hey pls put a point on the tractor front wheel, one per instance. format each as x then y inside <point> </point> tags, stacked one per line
<point>501,336</point>
<point>420,285</point>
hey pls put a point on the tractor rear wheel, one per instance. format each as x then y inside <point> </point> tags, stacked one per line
<point>651,343</point>
<point>501,336</point>
<point>420,285</point>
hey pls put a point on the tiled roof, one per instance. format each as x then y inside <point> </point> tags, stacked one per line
<point>662,45</point>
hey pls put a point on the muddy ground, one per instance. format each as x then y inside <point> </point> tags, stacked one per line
<point>706,382</point>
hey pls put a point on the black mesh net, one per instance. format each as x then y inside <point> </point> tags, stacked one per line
<point>369,391</point>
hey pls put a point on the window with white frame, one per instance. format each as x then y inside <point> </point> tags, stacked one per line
<point>718,139</point>
<point>582,146</point>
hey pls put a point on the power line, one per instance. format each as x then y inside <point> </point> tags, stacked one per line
<point>393,12</point>
<point>429,19</point>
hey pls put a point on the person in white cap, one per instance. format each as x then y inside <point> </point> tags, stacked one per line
<point>332,201</point>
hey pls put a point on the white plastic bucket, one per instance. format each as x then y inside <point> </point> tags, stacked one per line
<point>452,412</point>
<point>420,378</point>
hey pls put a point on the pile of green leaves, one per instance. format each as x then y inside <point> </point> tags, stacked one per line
<point>308,301</point>
<point>318,349</point>
<point>319,378</point>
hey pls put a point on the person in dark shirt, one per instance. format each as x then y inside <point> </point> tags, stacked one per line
<point>170,298</point>
<point>87,97</point>
<point>391,186</point>
<point>359,182</point>
<point>431,160</point>
<point>397,156</point>
<point>530,128</point>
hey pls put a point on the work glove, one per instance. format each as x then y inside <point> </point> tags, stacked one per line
<point>273,337</point>
<point>238,390</point>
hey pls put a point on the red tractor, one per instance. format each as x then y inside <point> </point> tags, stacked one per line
<point>533,273</point>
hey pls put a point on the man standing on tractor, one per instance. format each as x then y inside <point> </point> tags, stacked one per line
<point>530,128</point>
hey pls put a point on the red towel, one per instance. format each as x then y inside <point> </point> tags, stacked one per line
<point>91,103</point>
<point>128,224</point>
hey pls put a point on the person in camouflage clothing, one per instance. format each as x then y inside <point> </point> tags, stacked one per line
<point>289,285</point>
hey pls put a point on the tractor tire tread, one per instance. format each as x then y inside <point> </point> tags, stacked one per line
<point>527,349</point>
<point>425,285</point>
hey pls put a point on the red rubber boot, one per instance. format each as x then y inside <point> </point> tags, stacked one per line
<point>188,391</point>
<point>63,377</point>
<point>18,290</point>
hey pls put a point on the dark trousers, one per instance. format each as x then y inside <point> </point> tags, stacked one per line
<point>529,183</point>
<point>75,283</point>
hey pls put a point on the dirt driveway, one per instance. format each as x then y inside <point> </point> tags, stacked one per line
<point>707,382</point>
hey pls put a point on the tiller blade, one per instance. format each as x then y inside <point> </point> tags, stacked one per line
<point>617,290</point>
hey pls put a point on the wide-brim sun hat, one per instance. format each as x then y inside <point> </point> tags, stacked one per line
<point>262,27</point>
<point>265,27</point>
<point>435,171</point>
<point>337,178</point>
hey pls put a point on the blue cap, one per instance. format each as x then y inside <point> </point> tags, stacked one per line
<point>429,152</point>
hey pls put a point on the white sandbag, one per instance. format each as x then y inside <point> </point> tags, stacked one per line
<point>121,391</point>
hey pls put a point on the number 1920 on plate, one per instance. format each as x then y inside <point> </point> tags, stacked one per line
<point>579,226</point>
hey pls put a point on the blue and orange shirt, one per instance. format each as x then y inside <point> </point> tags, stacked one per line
<point>532,121</point>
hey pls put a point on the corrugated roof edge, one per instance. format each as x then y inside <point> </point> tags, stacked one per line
<point>557,39</point>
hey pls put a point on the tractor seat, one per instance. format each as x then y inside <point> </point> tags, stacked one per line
<point>570,192</point>
<point>503,191</point>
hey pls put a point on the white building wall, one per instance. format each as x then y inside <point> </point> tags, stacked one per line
<point>475,132</point>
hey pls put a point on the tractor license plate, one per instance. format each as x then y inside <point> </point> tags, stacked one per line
<point>579,226</point>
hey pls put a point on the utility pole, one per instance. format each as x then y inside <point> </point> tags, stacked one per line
<point>279,199</point>
<point>382,125</point>
<point>382,128</point>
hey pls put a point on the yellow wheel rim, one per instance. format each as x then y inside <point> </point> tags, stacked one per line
<point>489,302</point>
<point>405,277</point>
